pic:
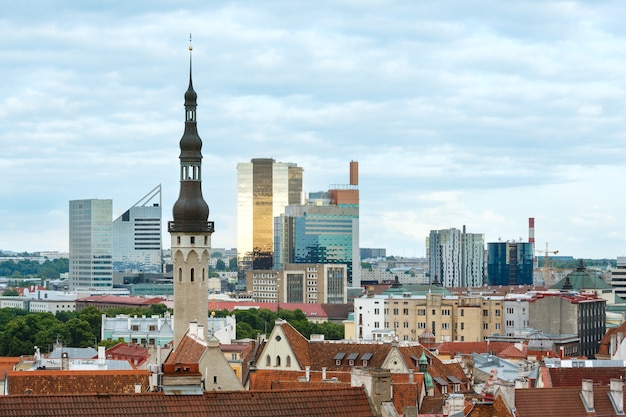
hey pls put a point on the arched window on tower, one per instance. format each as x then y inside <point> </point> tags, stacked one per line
<point>277,360</point>
<point>288,362</point>
<point>180,274</point>
<point>203,275</point>
<point>268,361</point>
<point>191,275</point>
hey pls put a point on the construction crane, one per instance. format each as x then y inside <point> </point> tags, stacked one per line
<point>547,263</point>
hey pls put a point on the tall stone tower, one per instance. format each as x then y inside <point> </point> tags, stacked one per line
<point>190,230</point>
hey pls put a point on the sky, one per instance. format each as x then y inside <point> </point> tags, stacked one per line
<point>475,113</point>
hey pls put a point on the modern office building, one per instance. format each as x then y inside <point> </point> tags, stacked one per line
<point>618,277</point>
<point>323,231</point>
<point>190,232</point>
<point>510,263</point>
<point>300,283</point>
<point>456,258</point>
<point>373,253</point>
<point>137,242</point>
<point>264,188</point>
<point>91,244</point>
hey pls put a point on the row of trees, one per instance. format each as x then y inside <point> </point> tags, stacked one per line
<point>253,322</point>
<point>29,268</point>
<point>21,331</point>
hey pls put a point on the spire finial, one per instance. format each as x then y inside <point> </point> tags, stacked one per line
<point>190,46</point>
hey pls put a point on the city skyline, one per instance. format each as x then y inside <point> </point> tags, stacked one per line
<point>481,114</point>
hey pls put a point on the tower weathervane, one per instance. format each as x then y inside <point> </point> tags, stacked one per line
<point>190,47</point>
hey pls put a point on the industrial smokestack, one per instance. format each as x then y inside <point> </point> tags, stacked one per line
<point>531,230</point>
<point>354,173</point>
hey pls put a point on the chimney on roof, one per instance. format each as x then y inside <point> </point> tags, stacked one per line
<point>137,388</point>
<point>617,395</point>
<point>193,328</point>
<point>612,346</point>
<point>411,376</point>
<point>587,395</point>
<point>200,332</point>
<point>323,373</point>
<point>101,357</point>
<point>308,373</point>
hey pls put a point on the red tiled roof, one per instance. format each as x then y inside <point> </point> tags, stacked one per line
<point>72,382</point>
<point>189,350</point>
<point>605,343</point>
<point>343,402</point>
<point>125,300</point>
<point>404,395</point>
<point>299,344</point>
<point>136,354</point>
<point>568,377</point>
<point>512,353</point>
<point>561,401</point>
<point>264,379</point>
<point>466,348</point>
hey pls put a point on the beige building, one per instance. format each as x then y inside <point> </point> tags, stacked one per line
<point>300,283</point>
<point>448,317</point>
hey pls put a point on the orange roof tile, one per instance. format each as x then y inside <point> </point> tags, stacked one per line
<point>568,377</point>
<point>299,344</point>
<point>560,401</point>
<point>70,382</point>
<point>343,402</point>
<point>189,350</point>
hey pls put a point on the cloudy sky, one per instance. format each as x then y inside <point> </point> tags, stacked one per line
<point>475,113</point>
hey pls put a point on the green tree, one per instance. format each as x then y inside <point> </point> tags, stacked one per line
<point>245,331</point>
<point>93,317</point>
<point>215,255</point>
<point>81,333</point>
<point>11,292</point>
<point>220,265</point>
<point>232,264</point>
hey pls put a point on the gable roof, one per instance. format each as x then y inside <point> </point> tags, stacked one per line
<point>189,350</point>
<point>340,402</point>
<point>299,344</point>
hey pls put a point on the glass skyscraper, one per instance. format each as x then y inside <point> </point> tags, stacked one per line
<point>264,189</point>
<point>91,244</point>
<point>137,239</point>
<point>510,263</point>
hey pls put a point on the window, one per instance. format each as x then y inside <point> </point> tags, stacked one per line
<point>462,326</point>
<point>445,312</point>
<point>406,324</point>
<point>509,310</point>
<point>277,360</point>
<point>288,362</point>
<point>376,324</point>
<point>421,312</point>
<point>485,313</point>
<point>405,311</point>
<point>191,277</point>
<point>377,311</point>
<point>445,326</point>
<point>268,361</point>
<point>192,240</point>
<point>395,311</point>
<point>497,313</point>
<point>215,379</point>
<point>462,312</point>
<point>421,325</point>
<point>180,274</point>
<point>510,323</point>
<point>497,326</point>
<point>485,326</point>
<point>434,312</point>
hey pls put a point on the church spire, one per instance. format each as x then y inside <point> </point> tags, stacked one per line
<point>190,210</point>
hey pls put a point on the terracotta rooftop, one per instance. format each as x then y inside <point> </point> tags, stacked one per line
<point>137,355</point>
<point>7,364</point>
<point>73,382</point>
<point>466,348</point>
<point>189,350</point>
<point>342,402</point>
<point>513,352</point>
<point>124,300</point>
<point>561,401</point>
<point>568,377</point>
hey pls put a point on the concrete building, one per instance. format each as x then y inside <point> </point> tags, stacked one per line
<point>190,231</point>
<point>91,244</point>
<point>264,188</point>
<point>456,258</point>
<point>147,331</point>
<point>581,314</point>
<point>618,277</point>
<point>325,230</point>
<point>137,238</point>
<point>300,283</point>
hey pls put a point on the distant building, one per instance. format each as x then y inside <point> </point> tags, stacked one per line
<point>264,188</point>
<point>145,331</point>
<point>510,263</point>
<point>137,236</point>
<point>618,277</point>
<point>91,244</point>
<point>373,253</point>
<point>300,283</point>
<point>323,231</point>
<point>456,258</point>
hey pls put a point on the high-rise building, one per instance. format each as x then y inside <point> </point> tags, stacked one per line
<point>510,263</point>
<point>323,231</point>
<point>137,238</point>
<point>456,258</point>
<point>264,188</point>
<point>190,231</point>
<point>91,244</point>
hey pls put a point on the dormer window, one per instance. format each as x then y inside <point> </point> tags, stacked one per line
<point>338,357</point>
